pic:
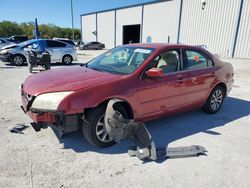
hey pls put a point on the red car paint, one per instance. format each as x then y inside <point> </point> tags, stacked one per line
<point>148,98</point>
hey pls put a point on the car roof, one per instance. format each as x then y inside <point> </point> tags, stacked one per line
<point>162,46</point>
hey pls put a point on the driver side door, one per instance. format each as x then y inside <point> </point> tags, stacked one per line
<point>163,95</point>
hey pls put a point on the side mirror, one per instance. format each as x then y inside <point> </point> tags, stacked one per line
<point>155,73</point>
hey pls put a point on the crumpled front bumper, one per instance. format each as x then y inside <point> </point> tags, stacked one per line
<point>43,119</point>
<point>37,116</point>
<point>5,57</point>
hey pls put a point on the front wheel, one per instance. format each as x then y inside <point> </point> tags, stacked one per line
<point>18,60</point>
<point>94,131</point>
<point>215,100</point>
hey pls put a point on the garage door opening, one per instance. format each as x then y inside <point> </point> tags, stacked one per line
<point>131,33</point>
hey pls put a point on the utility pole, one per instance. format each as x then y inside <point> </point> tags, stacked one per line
<point>72,20</point>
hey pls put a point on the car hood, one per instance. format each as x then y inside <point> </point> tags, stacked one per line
<point>65,79</point>
<point>9,46</point>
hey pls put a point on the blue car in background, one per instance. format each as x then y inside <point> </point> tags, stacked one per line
<point>59,51</point>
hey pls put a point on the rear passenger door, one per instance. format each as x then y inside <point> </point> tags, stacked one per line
<point>56,50</point>
<point>201,73</point>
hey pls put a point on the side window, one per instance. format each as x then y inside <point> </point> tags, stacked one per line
<point>196,60</point>
<point>168,61</point>
<point>55,44</point>
<point>2,41</point>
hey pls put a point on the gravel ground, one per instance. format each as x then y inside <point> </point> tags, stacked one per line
<point>42,160</point>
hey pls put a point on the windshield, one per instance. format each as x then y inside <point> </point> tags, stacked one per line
<point>26,42</point>
<point>121,60</point>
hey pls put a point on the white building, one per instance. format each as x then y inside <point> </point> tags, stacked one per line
<point>222,25</point>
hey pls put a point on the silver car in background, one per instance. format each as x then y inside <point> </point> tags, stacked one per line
<point>59,51</point>
<point>4,42</point>
<point>92,45</point>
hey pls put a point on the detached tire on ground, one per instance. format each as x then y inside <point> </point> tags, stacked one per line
<point>215,100</point>
<point>94,131</point>
<point>67,60</point>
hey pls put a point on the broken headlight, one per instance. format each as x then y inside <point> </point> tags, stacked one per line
<point>49,101</point>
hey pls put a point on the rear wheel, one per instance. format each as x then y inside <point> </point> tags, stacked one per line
<point>67,60</point>
<point>215,100</point>
<point>94,131</point>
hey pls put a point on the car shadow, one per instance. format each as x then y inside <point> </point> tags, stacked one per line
<point>169,129</point>
<point>10,66</point>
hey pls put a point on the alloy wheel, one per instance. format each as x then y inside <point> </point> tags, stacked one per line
<point>101,132</point>
<point>67,60</point>
<point>216,100</point>
<point>18,60</point>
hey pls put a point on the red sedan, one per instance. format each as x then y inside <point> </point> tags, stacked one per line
<point>152,80</point>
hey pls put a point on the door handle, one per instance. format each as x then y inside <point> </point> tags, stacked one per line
<point>180,81</point>
<point>213,74</point>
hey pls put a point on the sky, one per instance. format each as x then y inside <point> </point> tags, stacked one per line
<point>57,12</point>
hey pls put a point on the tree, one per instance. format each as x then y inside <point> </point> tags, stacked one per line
<point>8,29</point>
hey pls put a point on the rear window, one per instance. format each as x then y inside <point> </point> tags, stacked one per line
<point>68,41</point>
<point>54,44</point>
<point>196,60</point>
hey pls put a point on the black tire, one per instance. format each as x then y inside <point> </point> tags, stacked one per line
<point>215,100</point>
<point>18,60</point>
<point>86,48</point>
<point>47,66</point>
<point>91,128</point>
<point>30,67</point>
<point>67,60</point>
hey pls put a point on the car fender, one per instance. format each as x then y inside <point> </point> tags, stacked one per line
<point>94,96</point>
<point>20,54</point>
<point>216,83</point>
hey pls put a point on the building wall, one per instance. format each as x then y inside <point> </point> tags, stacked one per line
<point>105,28</point>
<point>243,43</point>
<point>129,16</point>
<point>214,26</point>
<point>161,22</point>
<point>88,26</point>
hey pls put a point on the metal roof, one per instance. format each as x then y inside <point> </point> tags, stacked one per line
<point>124,7</point>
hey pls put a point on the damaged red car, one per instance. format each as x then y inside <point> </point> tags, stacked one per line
<point>152,80</point>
